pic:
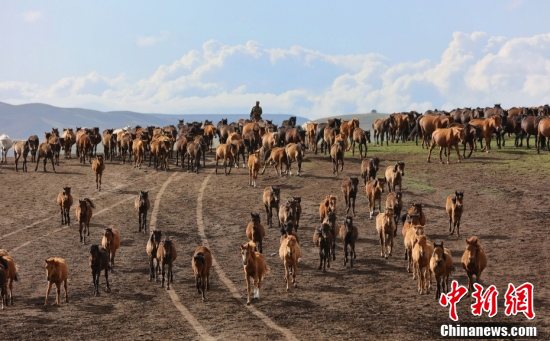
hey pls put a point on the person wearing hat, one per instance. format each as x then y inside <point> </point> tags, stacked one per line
<point>256,112</point>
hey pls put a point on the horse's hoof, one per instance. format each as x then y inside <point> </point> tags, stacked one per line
<point>295,285</point>
<point>247,302</point>
<point>108,290</point>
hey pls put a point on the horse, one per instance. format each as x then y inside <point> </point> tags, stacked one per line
<point>57,272</point>
<point>349,233</point>
<point>369,168</point>
<point>45,151</point>
<point>83,215</point>
<point>349,191</point>
<point>271,198</point>
<point>330,219</point>
<point>152,247</point>
<point>447,138</point>
<point>70,139</point>
<point>474,261</point>
<point>201,262</point>
<point>166,254</point>
<point>487,126</point>
<point>279,157</point>
<point>544,133</point>
<point>5,144</point>
<point>290,252</point>
<point>34,142</point>
<point>111,243</point>
<point>295,152</point>
<point>361,137</point>
<point>65,201</point>
<point>99,260</point>
<point>21,148</point>
<point>254,164</point>
<point>3,281</point>
<point>421,255</point>
<point>385,226</point>
<point>337,151</point>
<point>255,231</point>
<point>323,239</point>
<point>227,152</point>
<point>98,166</point>
<point>10,271</point>
<point>441,265</point>
<point>142,206</point>
<point>255,268</point>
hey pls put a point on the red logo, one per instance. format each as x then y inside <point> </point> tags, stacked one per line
<point>452,298</point>
<point>520,300</point>
<point>485,301</point>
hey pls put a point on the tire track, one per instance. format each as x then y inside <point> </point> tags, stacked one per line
<point>102,194</point>
<point>223,277</point>
<point>203,334</point>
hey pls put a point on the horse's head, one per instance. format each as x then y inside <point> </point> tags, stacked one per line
<point>422,242</point>
<point>66,190</point>
<point>398,195</point>
<point>472,249</point>
<point>389,212</point>
<point>439,253</point>
<point>99,158</point>
<point>247,249</point>
<point>354,182</point>
<point>255,218</point>
<point>331,217</point>
<point>348,223</point>
<point>108,234</point>
<point>376,163</point>
<point>275,194</point>
<point>332,199</point>
<point>94,252</point>
<point>457,199</point>
<point>51,269</point>
<point>167,246</point>
<point>199,259</point>
<point>83,204</point>
<point>399,167</point>
<point>366,134</point>
<point>156,236</point>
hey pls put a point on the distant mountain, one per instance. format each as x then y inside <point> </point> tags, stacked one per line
<point>22,121</point>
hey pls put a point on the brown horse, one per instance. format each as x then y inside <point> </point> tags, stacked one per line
<point>385,227</point>
<point>138,147</point>
<point>474,261</point>
<point>428,124</point>
<point>3,281</point>
<point>374,189</point>
<point>349,233</point>
<point>454,208</point>
<point>65,201</point>
<point>295,152</point>
<point>290,252</point>
<point>45,151</point>
<point>98,166</point>
<point>255,231</point>
<point>337,151</point>
<point>323,239</point>
<point>279,157</point>
<point>10,271</point>
<point>152,246</point>
<point>544,133</point>
<point>111,243</point>
<point>57,272</point>
<point>227,152</point>
<point>421,255</point>
<point>328,204</point>
<point>441,265</point>
<point>254,164</point>
<point>311,132</point>
<point>487,126</point>
<point>209,133</point>
<point>271,198</point>
<point>99,261</point>
<point>255,268</point>
<point>382,127</point>
<point>69,137</point>
<point>34,143</point>
<point>21,148</point>
<point>201,262</point>
<point>361,137</point>
<point>447,138</point>
<point>83,215</point>
<point>166,254</point>
<point>349,191</point>
<point>394,175</point>
<point>369,168</point>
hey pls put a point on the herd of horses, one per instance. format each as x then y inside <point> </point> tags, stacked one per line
<point>264,142</point>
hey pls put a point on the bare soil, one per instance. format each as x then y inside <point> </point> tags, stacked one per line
<point>377,299</point>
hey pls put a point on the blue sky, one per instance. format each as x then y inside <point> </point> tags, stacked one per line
<point>310,58</point>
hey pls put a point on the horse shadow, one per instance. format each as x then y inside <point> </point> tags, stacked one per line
<point>437,207</point>
<point>492,237</point>
<point>96,308</point>
<point>332,177</point>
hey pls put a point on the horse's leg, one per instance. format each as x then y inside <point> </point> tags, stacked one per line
<point>382,238</point>
<point>53,165</point>
<point>287,275</point>
<point>57,293</point>
<point>48,292</point>
<point>248,288</point>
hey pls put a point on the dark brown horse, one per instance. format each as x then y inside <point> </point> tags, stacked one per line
<point>99,261</point>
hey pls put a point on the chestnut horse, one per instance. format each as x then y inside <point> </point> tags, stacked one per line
<point>290,252</point>
<point>447,138</point>
<point>254,267</point>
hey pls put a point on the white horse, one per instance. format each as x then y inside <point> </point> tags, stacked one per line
<point>5,144</point>
<point>119,130</point>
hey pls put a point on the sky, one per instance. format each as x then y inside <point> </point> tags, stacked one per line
<point>307,58</point>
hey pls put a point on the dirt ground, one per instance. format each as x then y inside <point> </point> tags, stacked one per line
<point>505,206</point>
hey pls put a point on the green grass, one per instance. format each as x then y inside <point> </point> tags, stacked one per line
<point>418,184</point>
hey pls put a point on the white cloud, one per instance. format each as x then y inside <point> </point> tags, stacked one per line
<point>474,70</point>
<point>145,41</point>
<point>32,16</point>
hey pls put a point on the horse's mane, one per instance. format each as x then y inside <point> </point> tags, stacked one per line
<point>3,262</point>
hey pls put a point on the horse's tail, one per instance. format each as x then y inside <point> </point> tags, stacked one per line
<point>267,270</point>
<point>90,202</point>
<point>15,277</point>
